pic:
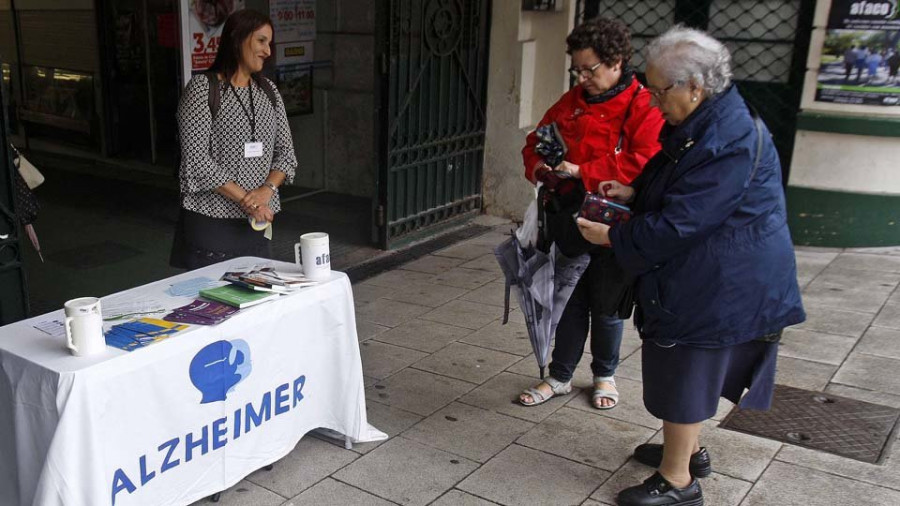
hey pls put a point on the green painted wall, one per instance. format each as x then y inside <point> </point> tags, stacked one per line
<point>845,220</point>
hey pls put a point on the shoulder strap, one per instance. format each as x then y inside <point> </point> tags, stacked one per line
<point>757,122</point>
<point>625,119</point>
<point>267,88</point>
<point>215,98</point>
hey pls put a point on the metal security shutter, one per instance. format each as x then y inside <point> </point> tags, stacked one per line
<point>768,40</point>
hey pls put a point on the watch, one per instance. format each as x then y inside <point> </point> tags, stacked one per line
<point>271,186</point>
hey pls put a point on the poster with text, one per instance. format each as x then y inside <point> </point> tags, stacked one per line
<point>860,57</point>
<point>205,21</point>
<point>293,19</point>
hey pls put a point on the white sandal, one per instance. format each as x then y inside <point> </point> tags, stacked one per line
<point>603,393</point>
<point>538,397</point>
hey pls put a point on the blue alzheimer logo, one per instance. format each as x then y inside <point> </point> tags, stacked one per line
<point>218,367</point>
<point>215,370</point>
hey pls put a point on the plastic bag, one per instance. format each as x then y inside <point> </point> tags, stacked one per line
<point>527,234</point>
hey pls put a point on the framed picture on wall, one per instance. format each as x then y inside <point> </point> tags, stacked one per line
<point>295,82</point>
<point>860,55</point>
<point>541,5</point>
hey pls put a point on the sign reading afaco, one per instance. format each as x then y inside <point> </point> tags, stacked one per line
<point>215,371</point>
<point>860,57</point>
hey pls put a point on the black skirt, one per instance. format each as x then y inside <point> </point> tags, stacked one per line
<point>682,384</point>
<point>201,241</point>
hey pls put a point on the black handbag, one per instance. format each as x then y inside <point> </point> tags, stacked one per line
<point>556,219</point>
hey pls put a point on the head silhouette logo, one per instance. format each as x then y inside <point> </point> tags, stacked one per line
<point>218,367</point>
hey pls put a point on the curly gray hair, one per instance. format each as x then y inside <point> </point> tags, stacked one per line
<point>689,56</point>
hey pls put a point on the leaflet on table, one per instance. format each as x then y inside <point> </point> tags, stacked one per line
<point>266,279</point>
<point>135,334</point>
<point>55,327</point>
<point>190,287</point>
<point>124,306</point>
<point>201,312</point>
<point>237,296</point>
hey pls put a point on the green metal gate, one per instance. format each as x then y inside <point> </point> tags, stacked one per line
<point>431,115</point>
<point>13,297</point>
<point>768,40</point>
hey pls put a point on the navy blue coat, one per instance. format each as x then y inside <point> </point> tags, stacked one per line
<point>710,249</point>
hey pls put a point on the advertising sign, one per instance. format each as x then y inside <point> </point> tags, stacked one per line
<point>860,57</point>
<point>205,20</point>
<point>293,19</point>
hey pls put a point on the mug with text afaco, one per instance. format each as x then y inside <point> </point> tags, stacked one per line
<point>312,253</point>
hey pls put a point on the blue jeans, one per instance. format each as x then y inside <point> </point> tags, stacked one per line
<point>583,312</point>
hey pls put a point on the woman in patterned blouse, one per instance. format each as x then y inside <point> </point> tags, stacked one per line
<point>233,158</point>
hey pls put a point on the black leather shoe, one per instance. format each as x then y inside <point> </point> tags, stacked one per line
<point>651,455</point>
<point>656,491</point>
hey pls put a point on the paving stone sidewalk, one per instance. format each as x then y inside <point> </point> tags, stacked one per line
<point>442,374</point>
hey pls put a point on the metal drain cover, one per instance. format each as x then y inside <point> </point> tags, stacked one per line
<point>829,423</point>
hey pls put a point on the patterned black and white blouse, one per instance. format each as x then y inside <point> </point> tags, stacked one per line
<point>213,154</point>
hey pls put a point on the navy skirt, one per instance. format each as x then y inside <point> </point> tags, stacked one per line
<point>682,384</point>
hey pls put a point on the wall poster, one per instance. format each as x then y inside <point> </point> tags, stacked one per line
<point>295,33</point>
<point>860,57</point>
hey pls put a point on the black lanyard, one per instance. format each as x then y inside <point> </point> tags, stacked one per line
<point>251,114</point>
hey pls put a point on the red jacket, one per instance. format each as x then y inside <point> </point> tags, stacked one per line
<point>591,132</point>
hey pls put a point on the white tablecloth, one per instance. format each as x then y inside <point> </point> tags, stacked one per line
<point>151,427</point>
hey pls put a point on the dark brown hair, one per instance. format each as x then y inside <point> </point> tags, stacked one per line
<point>609,38</point>
<point>239,25</point>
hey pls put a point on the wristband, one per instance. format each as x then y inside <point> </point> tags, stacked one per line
<point>272,187</point>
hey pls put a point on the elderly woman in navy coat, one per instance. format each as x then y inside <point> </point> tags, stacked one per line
<point>712,254</point>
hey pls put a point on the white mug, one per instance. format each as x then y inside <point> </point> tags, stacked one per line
<point>84,326</point>
<point>316,260</point>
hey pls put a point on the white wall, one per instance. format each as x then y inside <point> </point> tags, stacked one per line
<point>846,163</point>
<point>528,65</point>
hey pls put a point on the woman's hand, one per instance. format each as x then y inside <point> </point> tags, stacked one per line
<point>256,199</point>
<point>571,168</point>
<point>593,232</point>
<point>261,214</point>
<point>616,190</point>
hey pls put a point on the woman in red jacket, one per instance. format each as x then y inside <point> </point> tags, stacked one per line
<point>610,131</point>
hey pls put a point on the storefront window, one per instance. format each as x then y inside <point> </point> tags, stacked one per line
<point>58,98</point>
<point>10,83</point>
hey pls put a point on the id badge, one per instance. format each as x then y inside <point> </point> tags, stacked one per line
<point>253,149</point>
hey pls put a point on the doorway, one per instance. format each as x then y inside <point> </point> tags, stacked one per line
<point>432,87</point>
<point>141,80</point>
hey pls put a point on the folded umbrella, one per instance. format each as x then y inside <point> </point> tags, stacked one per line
<point>544,282</point>
<point>32,235</point>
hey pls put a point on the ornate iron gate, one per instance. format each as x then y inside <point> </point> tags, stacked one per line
<point>13,297</point>
<point>431,115</point>
<point>768,40</point>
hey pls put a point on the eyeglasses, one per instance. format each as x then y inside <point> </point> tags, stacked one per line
<point>658,93</point>
<point>585,73</point>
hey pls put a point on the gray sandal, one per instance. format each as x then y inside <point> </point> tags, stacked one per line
<point>602,393</point>
<point>538,397</point>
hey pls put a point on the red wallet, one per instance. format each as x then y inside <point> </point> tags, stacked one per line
<point>604,210</point>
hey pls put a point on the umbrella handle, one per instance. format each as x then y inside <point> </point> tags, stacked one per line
<point>542,373</point>
<point>506,303</point>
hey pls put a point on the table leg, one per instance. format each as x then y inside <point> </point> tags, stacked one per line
<point>348,443</point>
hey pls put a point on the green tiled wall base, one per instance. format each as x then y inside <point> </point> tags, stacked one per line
<point>844,220</point>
